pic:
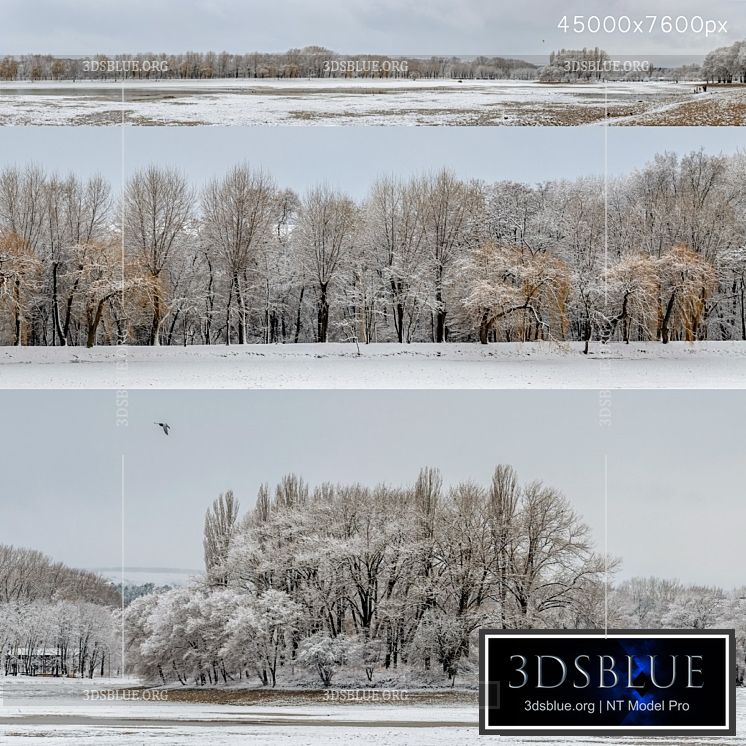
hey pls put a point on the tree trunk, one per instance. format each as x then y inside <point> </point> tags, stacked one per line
<point>322,331</point>
<point>298,318</point>
<point>399,322</point>
<point>587,335</point>
<point>440,319</point>
<point>57,330</point>
<point>228,315</point>
<point>484,328</point>
<point>156,323</point>
<point>69,310</point>
<point>398,312</point>
<point>241,311</point>
<point>440,313</point>
<point>665,334</point>
<point>93,321</point>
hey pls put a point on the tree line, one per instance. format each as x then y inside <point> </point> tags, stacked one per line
<point>722,65</point>
<point>55,620</point>
<point>594,65</point>
<point>356,584</point>
<point>658,254</point>
<point>307,62</point>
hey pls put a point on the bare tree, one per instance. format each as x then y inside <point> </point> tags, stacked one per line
<point>76,214</point>
<point>324,234</point>
<point>158,205</point>
<point>396,235</point>
<point>685,279</point>
<point>220,525</point>
<point>501,281</point>
<point>239,210</point>
<point>446,207</point>
<point>20,280</point>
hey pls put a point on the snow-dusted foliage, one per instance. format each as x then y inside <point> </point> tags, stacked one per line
<point>376,580</point>
<point>726,64</point>
<point>432,258</point>
<point>656,603</point>
<point>345,583</point>
<point>55,620</point>
<point>307,62</point>
<point>324,653</point>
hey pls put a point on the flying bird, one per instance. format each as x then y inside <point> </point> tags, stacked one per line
<point>164,426</point>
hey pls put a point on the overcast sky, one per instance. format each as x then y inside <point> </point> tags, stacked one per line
<point>350,158</point>
<point>676,467</point>
<point>385,26</point>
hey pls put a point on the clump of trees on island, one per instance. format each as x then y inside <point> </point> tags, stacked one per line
<point>591,65</point>
<point>726,64</point>
<point>722,65</point>
<point>432,258</point>
<point>351,585</point>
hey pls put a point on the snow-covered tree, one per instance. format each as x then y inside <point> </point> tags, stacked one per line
<point>325,654</point>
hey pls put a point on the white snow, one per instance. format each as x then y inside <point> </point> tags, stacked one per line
<point>54,721</point>
<point>41,692</point>
<point>315,101</point>
<point>380,366</point>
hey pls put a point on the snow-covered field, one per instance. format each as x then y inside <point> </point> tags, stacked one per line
<point>350,102</point>
<point>59,717</point>
<point>379,366</point>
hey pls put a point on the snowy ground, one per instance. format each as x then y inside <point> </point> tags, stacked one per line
<point>379,366</point>
<point>360,101</point>
<point>59,717</point>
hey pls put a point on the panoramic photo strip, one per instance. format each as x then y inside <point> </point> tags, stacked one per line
<point>372,373</point>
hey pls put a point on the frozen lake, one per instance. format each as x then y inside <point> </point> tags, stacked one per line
<point>368,102</point>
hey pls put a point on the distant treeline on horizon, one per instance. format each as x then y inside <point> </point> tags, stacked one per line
<point>308,62</point>
<point>724,65</point>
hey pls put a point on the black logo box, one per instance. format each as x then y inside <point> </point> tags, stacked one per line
<point>711,706</point>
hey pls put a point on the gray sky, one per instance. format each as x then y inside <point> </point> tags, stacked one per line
<point>351,158</point>
<point>385,26</point>
<point>676,468</point>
